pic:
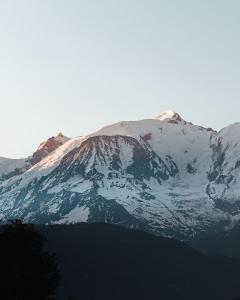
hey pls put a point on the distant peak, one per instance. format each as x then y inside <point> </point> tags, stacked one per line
<point>61,138</point>
<point>169,115</point>
<point>47,147</point>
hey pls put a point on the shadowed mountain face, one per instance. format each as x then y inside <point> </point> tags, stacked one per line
<point>164,175</point>
<point>223,243</point>
<point>100,261</point>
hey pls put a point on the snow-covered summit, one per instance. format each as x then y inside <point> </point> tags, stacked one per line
<point>169,115</point>
<point>168,175</point>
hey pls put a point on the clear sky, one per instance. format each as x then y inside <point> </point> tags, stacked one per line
<point>74,66</point>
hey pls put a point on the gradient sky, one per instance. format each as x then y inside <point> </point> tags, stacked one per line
<point>74,66</point>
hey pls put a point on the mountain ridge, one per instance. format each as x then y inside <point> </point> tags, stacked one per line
<point>167,175</point>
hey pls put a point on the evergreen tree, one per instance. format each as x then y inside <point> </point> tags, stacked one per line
<point>26,270</point>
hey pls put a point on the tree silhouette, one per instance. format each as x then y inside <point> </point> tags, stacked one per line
<point>26,270</point>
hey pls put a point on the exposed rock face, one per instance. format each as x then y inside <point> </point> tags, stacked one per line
<point>13,167</point>
<point>163,175</point>
<point>47,147</point>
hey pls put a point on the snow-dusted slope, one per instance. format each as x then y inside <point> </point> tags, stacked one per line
<point>187,144</point>
<point>8,166</point>
<point>224,175</point>
<point>163,175</point>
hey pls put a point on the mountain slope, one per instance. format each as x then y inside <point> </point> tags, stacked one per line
<point>163,175</point>
<point>12,167</point>
<point>224,243</point>
<point>100,261</point>
<point>47,147</point>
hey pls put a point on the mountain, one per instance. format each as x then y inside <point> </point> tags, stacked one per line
<point>45,148</point>
<point>102,261</point>
<point>12,167</point>
<point>163,175</point>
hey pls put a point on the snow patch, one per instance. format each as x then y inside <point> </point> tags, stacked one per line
<point>78,214</point>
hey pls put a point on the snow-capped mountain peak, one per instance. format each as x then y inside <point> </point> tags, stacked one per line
<point>169,115</point>
<point>164,175</point>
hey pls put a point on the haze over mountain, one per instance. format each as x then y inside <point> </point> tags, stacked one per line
<point>164,175</point>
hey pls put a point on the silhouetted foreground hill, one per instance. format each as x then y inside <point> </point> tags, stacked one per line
<point>224,243</point>
<point>100,261</point>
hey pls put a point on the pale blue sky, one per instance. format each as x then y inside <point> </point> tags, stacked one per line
<point>74,66</point>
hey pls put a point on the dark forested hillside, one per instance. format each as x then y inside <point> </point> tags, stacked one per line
<point>100,261</point>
